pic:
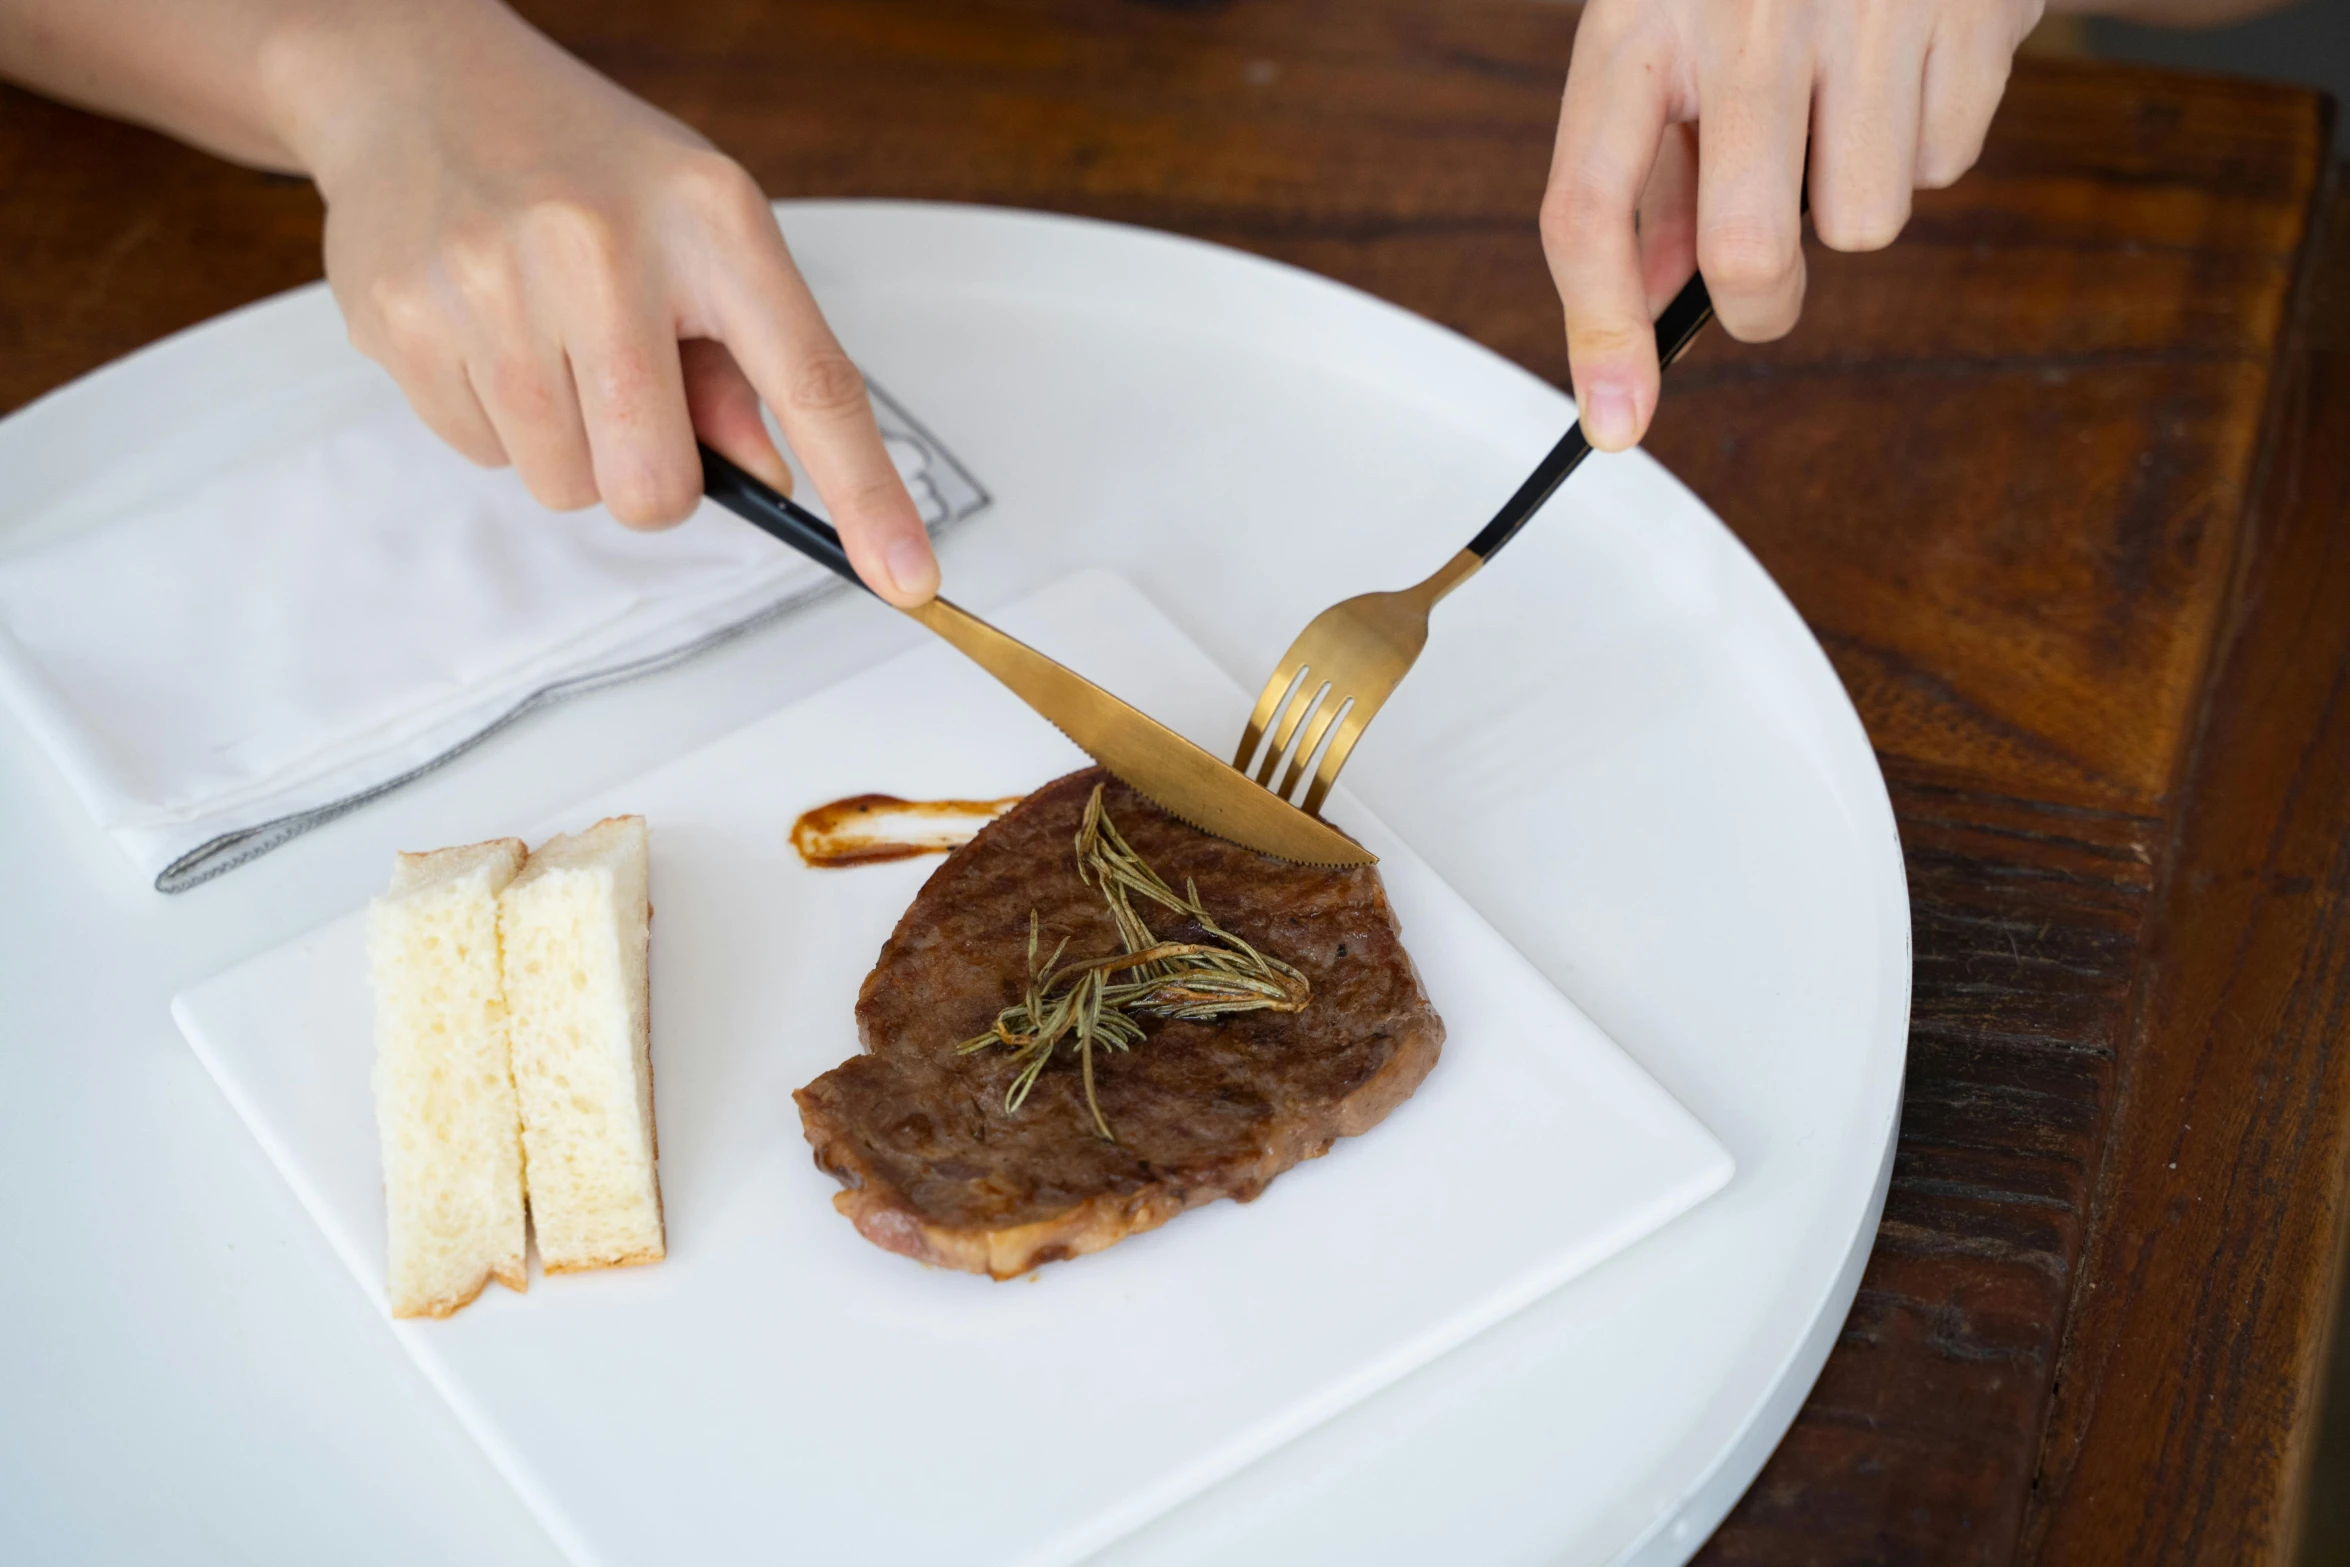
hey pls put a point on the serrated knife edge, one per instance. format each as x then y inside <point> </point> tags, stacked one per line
<point>1183,778</point>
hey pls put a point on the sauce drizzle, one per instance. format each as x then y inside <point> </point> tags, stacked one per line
<point>864,829</point>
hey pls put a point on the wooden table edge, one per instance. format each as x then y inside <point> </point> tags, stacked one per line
<point>2182,1420</point>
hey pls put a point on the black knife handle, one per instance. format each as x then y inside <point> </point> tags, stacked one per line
<point>773,513</point>
<point>1690,310</point>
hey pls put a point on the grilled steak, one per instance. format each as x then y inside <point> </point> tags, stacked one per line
<point>937,1169</point>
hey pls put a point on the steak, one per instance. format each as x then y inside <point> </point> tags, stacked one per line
<point>936,1168</point>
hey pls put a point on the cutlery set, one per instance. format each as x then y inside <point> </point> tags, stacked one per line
<point>1314,707</point>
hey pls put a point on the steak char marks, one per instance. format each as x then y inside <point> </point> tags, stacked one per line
<point>937,1169</point>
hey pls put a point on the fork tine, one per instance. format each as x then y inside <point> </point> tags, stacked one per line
<point>1324,717</point>
<point>1350,729</point>
<point>1270,701</point>
<point>1310,693</point>
<point>1335,677</point>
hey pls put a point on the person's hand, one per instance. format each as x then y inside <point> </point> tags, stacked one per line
<point>1682,145</point>
<point>564,278</point>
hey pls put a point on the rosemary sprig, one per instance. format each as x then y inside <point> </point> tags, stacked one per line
<point>1098,999</point>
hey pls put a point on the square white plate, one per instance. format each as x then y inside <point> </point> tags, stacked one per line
<point>780,1390</point>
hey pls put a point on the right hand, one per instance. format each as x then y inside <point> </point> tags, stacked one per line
<point>564,278</point>
<point>1690,130</point>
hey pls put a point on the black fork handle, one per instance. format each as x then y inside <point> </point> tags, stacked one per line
<point>1690,310</point>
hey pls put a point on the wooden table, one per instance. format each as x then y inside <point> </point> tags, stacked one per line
<point>2104,387</point>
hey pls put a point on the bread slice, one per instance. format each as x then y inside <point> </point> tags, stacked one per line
<point>444,1092</point>
<point>575,926</point>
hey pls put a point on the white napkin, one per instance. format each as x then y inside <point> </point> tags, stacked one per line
<point>300,634</point>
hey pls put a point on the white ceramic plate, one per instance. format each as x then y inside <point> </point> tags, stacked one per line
<point>1622,748</point>
<point>778,1385</point>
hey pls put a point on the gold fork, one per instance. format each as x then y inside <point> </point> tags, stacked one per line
<point>1350,658</point>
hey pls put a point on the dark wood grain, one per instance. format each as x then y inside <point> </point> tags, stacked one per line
<point>111,237</point>
<point>2193,1354</point>
<point>1916,1443</point>
<point>2059,386</point>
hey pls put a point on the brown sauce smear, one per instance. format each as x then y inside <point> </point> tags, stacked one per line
<point>866,828</point>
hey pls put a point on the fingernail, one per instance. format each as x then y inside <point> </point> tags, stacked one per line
<point>910,566</point>
<point>1608,415</point>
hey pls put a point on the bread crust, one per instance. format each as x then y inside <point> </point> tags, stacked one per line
<point>514,1277</point>
<point>414,868</point>
<point>634,1259</point>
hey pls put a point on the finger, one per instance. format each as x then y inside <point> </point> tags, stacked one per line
<point>396,326</point>
<point>1609,125</point>
<point>1668,218</point>
<point>526,390</point>
<point>1865,130</point>
<point>641,440</point>
<point>770,322</point>
<point>515,366</point>
<point>1966,73</point>
<point>443,398</point>
<point>725,411</point>
<point>744,290</point>
<point>1749,188</point>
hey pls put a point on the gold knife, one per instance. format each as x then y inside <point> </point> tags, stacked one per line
<point>1188,781</point>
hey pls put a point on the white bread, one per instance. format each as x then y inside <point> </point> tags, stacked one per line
<point>574,927</point>
<point>444,1092</point>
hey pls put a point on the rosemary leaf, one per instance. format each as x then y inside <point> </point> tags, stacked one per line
<point>1099,999</point>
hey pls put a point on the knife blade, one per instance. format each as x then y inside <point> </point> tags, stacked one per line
<point>1188,781</point>
<point>1155,760</point>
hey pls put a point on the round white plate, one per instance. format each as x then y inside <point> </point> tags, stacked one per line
<point>1622,746</point>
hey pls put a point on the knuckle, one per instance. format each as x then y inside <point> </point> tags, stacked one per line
<point>560,488</point>
<point>651,500</point>
<point>1571,208</point>
<point>1746,257</point>
<point>481,267</point>
<point>871,499</point>
<point>714,184</point>
<point>1607,342</point>
<point>623,384</point>
<point>576,232</point>
<point>478,445</point>
<point>517,386</point>
<point>364,331</point>
<point>1761,320</point>
<point>828,383</point>
<point>1860,226</point>
<point>1943,160</point>
<point>1557,223</point>
<point>1608,30</point>
<point>1958,117</point>
<point>399,315</point>
<point>481,451</point>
